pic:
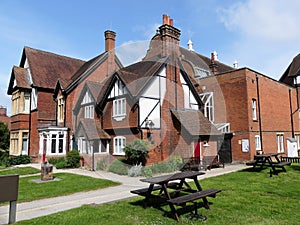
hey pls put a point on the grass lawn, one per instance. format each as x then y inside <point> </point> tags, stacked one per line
<point>19,170</point>
<point>246,198</point>
<point>68,184</point>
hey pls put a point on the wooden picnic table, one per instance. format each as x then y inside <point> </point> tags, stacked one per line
<point>176,182</point>
<point>267,160</point>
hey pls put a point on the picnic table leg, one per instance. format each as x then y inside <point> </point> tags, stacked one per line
<point>167,194</point>
<point>206,204</point>
<point>150,189</point>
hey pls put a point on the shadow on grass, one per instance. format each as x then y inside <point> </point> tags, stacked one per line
<point>264,168</point>
<point>295,167</point>
<point>162,205</point>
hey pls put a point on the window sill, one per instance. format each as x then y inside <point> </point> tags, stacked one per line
<point>119,154</point>
<point>119,118</point>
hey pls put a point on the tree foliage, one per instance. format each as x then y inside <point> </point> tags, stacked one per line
<point>4,136</point>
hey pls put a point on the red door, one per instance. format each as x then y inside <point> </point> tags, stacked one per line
<point>197,149</point>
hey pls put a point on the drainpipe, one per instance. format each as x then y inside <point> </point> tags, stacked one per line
<point>259,116</point>
<point>291,114</point>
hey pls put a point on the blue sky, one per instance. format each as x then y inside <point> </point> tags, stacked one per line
<point>260,34</point>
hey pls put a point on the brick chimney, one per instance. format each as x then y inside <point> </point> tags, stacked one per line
<point>110,39</point>
<point>213,66</point>
<point>170,36</point>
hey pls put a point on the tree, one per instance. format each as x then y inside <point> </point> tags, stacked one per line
<point>137,151</point>
<point>4,136</point>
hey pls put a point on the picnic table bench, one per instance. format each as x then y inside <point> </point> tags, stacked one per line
<point>176,182</point>
<point>266,160</point>
<point>207,162</point>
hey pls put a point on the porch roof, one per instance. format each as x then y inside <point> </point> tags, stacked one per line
<point>195,122</point>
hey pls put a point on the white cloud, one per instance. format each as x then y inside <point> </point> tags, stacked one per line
<point>266,33</point>
<point>132,51</point>
<point>267,19</point>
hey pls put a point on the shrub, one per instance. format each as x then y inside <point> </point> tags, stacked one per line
<point>20,159</point>
<point>175,163</point>
<point>136,152</point>
<point>135,171</point>
<point>102,165</point>
<point>161,167</point>
<point>118,167</point>
<point>147,171</point>
<point>61,165</point>
<point>56,160</point>
<point>73,159</point>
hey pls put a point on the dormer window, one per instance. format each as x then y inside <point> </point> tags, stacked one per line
<point>199,72</point>
<point>88,106</point>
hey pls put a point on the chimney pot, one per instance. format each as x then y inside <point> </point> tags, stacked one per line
<point>171,22</point>
<point>110,38</point>
<point>165,19</point>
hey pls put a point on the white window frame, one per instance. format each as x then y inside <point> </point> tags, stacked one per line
<point>254,109</point>
<point>257,143</point>
<point>209,111</point>
<point>280,143</point>
<point>25,138</point>
<point>105,146</point>
<point>119,145</point>
<point>89,112</point>
<point>119,108</point>
<point>61,108</point>
<point>297,137</point>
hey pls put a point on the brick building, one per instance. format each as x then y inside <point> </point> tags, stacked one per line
<point>183,103</point>
<point>262,112</point>
<point>4,118</point>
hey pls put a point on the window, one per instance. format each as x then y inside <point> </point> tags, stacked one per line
<point>89,112</point>
<point>280,146</point>
<point>14,142</point>
<point>26,102</point>
<point>81,145</point>
<point>119,144</point>
<point>15,103</point>
<point>53,143</point>
<point>25,143</point>
<point>119,107</point>
<point>103,146</point>
<point>257,142</point>
<point>208,100</point>
<point>199,72</point>
<point>254,114</point>
<point>61,108</point>
<point>34,97</point>
<point>297,137</point>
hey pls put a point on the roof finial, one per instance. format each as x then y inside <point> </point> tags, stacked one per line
<point>190,45</point>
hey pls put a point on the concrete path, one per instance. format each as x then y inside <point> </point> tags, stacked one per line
<point>29,210</point>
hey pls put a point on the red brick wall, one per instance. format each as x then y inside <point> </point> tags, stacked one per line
<point>238,88</point>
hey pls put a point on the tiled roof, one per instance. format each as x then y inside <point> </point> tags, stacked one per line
<point>294,68</point>
<point>46,68</point>
<point>93,130</point>
<point>21,77</point>
<point>195,122</point>
<point>136,76</point>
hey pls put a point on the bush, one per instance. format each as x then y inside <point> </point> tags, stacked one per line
<point>102,165</point>
<point>56,160</point>
<point>118,167</point>
<point>61,165</point>
<point>161,167</point>
<point>20,159</point>
<point>135,171</point>
<point>136,152</point>
<point>147,171</point>
<point>175,163</point>
<point>73,159</point>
